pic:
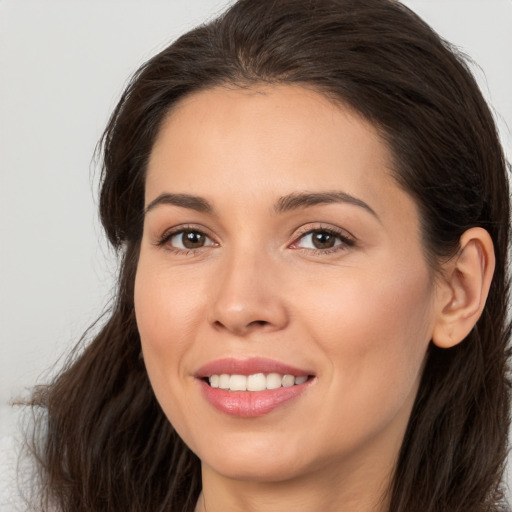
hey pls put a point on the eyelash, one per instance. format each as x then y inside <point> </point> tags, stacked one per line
<point>346,240</point>
<point>164,240</point>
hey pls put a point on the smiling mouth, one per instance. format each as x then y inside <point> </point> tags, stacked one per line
<point>254,382</point>
<point>249,388</point>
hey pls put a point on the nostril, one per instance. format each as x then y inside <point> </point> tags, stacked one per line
<point>257,325</point>
<point>242,328</point>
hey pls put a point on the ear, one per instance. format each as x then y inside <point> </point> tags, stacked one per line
<point>463,289</point>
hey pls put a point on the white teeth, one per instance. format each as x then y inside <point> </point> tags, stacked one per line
<point>274,380</point>
<point>238,383</point>
<point>224,381</point>
<point>287,381</point>
<point>255,382</point>
<point>299,380</point>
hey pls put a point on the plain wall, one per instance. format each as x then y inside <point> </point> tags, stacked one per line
<point>63,65</point>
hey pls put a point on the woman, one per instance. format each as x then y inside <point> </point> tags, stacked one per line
<point>311,204</point>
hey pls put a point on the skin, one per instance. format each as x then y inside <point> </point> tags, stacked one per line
<point>358,316</point>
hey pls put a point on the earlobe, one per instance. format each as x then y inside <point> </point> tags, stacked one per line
<point>465,287</point>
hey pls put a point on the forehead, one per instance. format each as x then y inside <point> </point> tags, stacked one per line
<point>237,144</point>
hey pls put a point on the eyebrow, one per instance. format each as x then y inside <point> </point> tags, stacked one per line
<point>183,200</point>
<point>284,204</point>
<point>307,199</point>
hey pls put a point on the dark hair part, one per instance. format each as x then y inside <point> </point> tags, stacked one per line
<point>108,445</point>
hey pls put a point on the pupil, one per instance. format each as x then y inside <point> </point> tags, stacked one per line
<point>323,240</point>
<point>193,240</point>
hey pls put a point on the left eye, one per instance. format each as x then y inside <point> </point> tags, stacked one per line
<point>189,239</point>
<point>320,239</point>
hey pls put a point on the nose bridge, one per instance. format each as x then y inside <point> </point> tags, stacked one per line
<point>247,294</point>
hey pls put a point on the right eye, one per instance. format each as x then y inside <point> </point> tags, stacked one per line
<point>188,239</point>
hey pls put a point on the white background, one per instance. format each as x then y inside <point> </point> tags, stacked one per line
<point>63,65</point>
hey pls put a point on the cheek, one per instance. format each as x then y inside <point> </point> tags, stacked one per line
<point>166,312</point>
<point>375,332</point>
<point>165,306</point>
<point>393,304</point>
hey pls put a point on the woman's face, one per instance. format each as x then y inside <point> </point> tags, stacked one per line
<point>279,255</point>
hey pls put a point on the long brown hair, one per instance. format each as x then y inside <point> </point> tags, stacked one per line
<point>107,446</point>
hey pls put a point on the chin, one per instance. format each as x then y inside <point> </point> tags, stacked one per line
<point>260,460</point>
<point>256,469</point>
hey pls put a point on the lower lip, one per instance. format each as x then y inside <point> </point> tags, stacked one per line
<point>250,404</point>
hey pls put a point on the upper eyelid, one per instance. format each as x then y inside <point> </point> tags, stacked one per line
<point>308,228</point>
<point>187,227</point>
<point>164,238</point>
<point>346,238</point>
<point>294,236</point>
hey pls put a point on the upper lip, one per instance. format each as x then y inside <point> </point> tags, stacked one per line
<point>250,366</point>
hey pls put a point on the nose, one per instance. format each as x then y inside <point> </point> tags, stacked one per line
<point>248,296</point>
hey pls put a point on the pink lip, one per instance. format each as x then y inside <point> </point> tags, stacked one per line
<point>248,367</point>
<point>249,404</point>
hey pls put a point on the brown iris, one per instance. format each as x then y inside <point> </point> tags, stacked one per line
<point>323,239</point>
<point>193,239</point>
